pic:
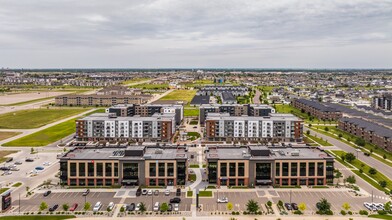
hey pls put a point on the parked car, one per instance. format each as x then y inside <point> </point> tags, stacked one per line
<point>18,162</point>
<point>111,206</point>
<point>176,207</point>
<point>149,192</point>
<point>47,193</point>
<point>53,208</point>
<point>46,163</point>
<point>4,168</point>
<point>137,207</point>
<point>175,200</point>
<point>138,191</point>
<point>7,173</point>
<point>223,200</point>
<point>194,126</point>
<point>178,192</point>
<point>131,207</point>
<point>85,193</point>
<point>14,169</point>
<point>29,160</point>
<point>144,192</point>
<point>294,205</point>
<point>170,208</point>
<point>97,207</point>
<point>167,192</point>
<point>9,159</point>
<point>156,206</point>
<point>156,192</point>
<point>368,206</point>
<point>73,207</point>
<point>288,206</point>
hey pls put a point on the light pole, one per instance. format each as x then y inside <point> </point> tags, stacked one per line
<point>152,202</point>
<point>19,203</point>
<point>290,196</point>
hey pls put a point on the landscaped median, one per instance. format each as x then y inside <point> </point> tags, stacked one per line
<point>318,140</point>
<point>369,174</point>
<point>38,217</point>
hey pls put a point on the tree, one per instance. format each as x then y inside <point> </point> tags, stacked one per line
<point>252,206</point>
<point>32,150</point>
<point>346,206</point>
<point>360,142</point>
<point>387,206</point>
<point>326,129</point>
<point>340,135</point>
<point>351,179</point>
<point>338,175</point>
<point>383,183</point>
<point>43,206</point>
<point>142,207</point>
<point>280,203</point>
<point>384,156</point>
<point>87,206</point>
<point>323,206</point>
<point>302,207</point>
<point>229,206</point>
<point>269,203</point>
<point>372,171</point>
<point>164,207</point>
<point>308,132</point>
<point>350,157</point>
<point>65,207</point>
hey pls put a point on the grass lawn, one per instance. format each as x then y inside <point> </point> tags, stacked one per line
<point>194,166</point>
<point>194,122</point>
<point>387,217</point>
<point>37,217</point>
<point>5,134</point>
<point>151,86</point>
<point>361,165</point>
<point>200,82</point>
<point>185,95</point>
<point>205,193</point>
<point>192,177</point>
<point>3,190</point>
<point>319,140</point>
<point>191,112</point>
<point>4,153</point>
<point>193,135</point>
<point>35,118</point>
<point>189,193</point>
<point>17,184</point>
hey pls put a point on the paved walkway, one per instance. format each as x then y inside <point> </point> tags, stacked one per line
<point>256,98</point>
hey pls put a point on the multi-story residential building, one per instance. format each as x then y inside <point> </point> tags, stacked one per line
<point>383,101</point>
<point>317,109</point>
<point>218,90</point>
<point>275,127</point>
<point>234,110</point>
<point>109,127</point>
<point>100,100</point>
<point>148,110</point>
<point>261,165</point>
<point>369,131</point>
<point>131,165</point>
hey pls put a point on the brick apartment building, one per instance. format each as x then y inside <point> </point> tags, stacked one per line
<point>317,109</point>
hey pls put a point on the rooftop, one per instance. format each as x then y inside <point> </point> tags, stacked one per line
<point>272,116</point>
<point>110,117</point>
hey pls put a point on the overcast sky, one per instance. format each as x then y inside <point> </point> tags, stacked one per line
<point>200,33</point>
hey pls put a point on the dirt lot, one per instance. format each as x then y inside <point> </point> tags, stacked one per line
<point>23,97</point>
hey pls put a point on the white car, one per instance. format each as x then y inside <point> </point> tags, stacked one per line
<point>111,206</point>
<point>223,200</point>
<point>156,206</point>
<point>176,207</point>
<point>149,192</point>
<point>167,192</point>
<point>144,192</point>
<point>46,163</point>
<point>97,206</point>
<point>368,205</point>
<point>137,208</point>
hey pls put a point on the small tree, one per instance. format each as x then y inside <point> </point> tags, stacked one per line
<point>326,129</point>
<point>280,203</point>
<point>308,132</point>
<point>340,135</point>
<point>350,157</point>
<point>65,207</point>
<point>142,207</point>
<point>346,206</point>
<point>43,206</point>
<point>360,142</point>
<point>323,206</point>
<point>252,206</point>
<point>87,206</point>
<point>229,206</point>
<point>302,207</point>
<point>387,206</point>
<point>372,171</point>
<point>351,179</point>
<point>269,203</point>
<point>32,150</point>
<point>383,183</point>
<point>384,156</point>
<point>164,207</point>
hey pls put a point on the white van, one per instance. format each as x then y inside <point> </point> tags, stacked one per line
<point>97,206</point>
<point>156,206</point>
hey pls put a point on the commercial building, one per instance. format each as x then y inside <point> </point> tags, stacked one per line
<point>131,165</point>
<point>147,110</point>
<point>261,165</point>
<point>109,127</point>
<point>317,109</point>
<point>235,110</point>
<point>272,128</point>
<point>383,101</point>
<point>369,131</point>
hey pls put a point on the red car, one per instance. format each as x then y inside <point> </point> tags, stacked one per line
<point>74,206</point>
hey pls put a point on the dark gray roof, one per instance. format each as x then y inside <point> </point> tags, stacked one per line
<point>317,105</point>
<point>369,126</point>
<point>200,99</point>
<point>228,96</point>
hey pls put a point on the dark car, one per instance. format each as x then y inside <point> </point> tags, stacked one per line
<point>85,193</point>
<point>9,159</point>
<point>29,160</point>
<point>178,192</point>
<point>131,207</point>
<point>53,208</point>
<point>175,200</point>
<point>288,206</point>
<point>4,168</point>
<point>170,208</point>
<point>47,193</point>
<point>294,205</point>
<point>138,191</point>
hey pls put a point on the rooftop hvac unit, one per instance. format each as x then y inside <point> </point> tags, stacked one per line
<point>295,153</point>
<point>159,151</point>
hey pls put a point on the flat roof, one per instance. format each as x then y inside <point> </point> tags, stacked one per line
<point>272,116</point>
<point>105,116</point>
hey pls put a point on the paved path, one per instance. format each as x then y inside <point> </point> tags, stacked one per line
<point>158,96</point>
<point>256,98</point>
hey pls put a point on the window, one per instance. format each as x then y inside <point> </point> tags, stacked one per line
<point>153,169</point>
<point>161,169</point>
<point>277,169</point>
<point>99,169</point>
<point>232,169</point>
<point>302,169</point>
<point>223,169</point>
<point>82,169</point>
<point>90,168</point>
<point>170,169</point>
<point>130,171</point>
<point>285,169</point>
<point>115,169</point>
<point>311,169</point>
<point>294,168</point>
<point>320,169</point>
<point>153,182</point>
<point>108,169</point>
<point>232,182</point>
<point>72,169</point>
<point>212,172</point>
<point>241,169</point>
<point>263,171</point>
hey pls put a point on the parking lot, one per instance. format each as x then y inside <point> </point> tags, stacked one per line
<point>149,201</point>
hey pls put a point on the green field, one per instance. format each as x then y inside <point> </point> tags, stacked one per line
<point>5,134</point>
<point>151,86</point>
<point>185,95</point>
<point>191,112</point>
<point>35,118</point>
<point>387,217</point>
<point>37,217</point>
<point>361,165</point>
<point>318,140</point>
<point>200,82</point>
<point>135,80</point>
<point>3,190</point>
<point>4,153</point>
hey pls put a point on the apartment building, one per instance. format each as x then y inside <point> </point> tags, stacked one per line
<point>261,165</point>
<point>147,110</point>
<point>218,90</point>
<point>369,131</point>
<point>100,100</point>
<point>234,110</point>
<point>109,127</point>
<point>275,127</point>
<point>130,165</point>
<point>383,101</point>
<point>317,109</point>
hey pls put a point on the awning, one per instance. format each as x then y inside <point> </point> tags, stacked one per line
<point>263,181</point>
<point>129,181</point>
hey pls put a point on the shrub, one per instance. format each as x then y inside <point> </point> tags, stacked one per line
<point>297,212</point>
<point>381,212</point>
<point>350,212</point>
<point>363,212</point>
<point>343,212</point>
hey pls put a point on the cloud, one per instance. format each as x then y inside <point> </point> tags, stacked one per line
<point>171,33</point>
